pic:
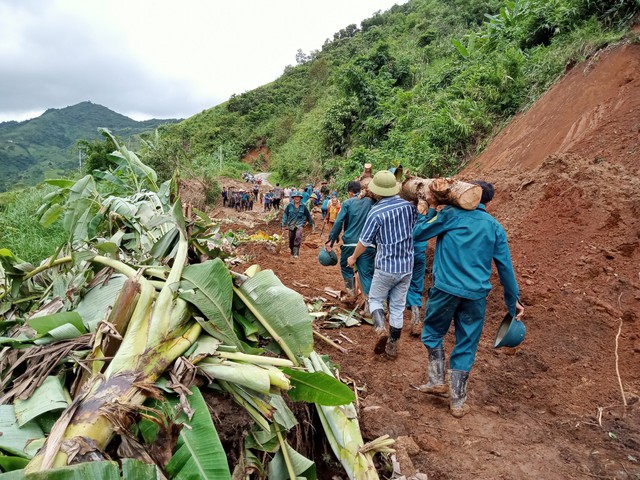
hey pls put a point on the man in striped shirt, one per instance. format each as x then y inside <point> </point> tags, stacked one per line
<point>389,226</point>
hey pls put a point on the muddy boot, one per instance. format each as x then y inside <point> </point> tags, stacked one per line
<point>295,252</point>
<point>391,348</point>
<point>458,387</point>
<point>350,286</point>
<point>380,329</point>
<point>416,321</point>
<point>436,383</point>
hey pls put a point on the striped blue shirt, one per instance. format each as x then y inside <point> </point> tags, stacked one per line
<point>389,226</point>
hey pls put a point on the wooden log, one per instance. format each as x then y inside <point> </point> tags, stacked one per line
<point>448,191</point>
<point>365,178</point>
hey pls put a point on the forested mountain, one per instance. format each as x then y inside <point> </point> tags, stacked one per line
<point>42,147</point>
<point>424,84</point>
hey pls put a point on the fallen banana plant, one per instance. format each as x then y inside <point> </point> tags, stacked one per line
<point>159,331</point>
<point>103,345</point>
<point>341,426</point>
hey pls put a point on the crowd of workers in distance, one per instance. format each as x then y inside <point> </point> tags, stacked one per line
<point>245,199</point>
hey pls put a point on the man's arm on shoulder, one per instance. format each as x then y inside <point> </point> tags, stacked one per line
<point>437,223</point>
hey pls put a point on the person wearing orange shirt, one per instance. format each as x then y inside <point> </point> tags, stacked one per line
<point>332,210</point>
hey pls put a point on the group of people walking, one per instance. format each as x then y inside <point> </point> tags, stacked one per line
<point>245,199</point>
<point>241,200</point>
<point>384,239</point>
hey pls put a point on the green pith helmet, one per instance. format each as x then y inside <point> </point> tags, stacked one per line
<point>511,332</point>
<point>327,259</point>
<point>384,184</point>
<point>296,194</point>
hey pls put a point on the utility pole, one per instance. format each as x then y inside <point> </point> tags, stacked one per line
<point>220,156</point>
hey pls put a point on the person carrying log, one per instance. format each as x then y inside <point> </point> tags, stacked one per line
<point>351,218</point>
<point>469,241</point>
<point>389,226</point>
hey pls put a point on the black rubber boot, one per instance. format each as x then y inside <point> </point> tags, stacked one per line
<point>436,372</point>
<point>379,326</point>
<point>391,349</point>
<point>458,387</point>
<point>416,321</point>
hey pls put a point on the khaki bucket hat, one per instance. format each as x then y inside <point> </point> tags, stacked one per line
<point>384,184</point>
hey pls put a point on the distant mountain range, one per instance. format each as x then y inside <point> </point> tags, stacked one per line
<point>42,147</point>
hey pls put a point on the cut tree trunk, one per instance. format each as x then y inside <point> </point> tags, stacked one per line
<point>366,176</point>
<point>446,190</point>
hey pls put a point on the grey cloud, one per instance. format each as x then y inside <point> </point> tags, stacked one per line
<point>61,63</point>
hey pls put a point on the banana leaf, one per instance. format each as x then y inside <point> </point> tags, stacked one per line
<point>46,323</point>
<point>98,300</point>
<point>208,286</point>
<point>282,414</point>
<point>264,440</point>
<point>134,469</point>
<point>199,452</point>
<point>104,470</point>
<point>57,326</point>
<point>12,462</point>
<point>79,208</point>
<point>49,396</point>
<point>318,387</point>
<point>128,160</point>
<point>287,320</point>
<point>301,465</point>
<point>12,436</point>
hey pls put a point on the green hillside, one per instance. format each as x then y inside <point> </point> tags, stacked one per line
<point>39,148</point>
<point>424,84</point>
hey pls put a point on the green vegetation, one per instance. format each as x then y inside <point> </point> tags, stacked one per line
<point>425,84</point>
<point>20,230</point>
<point>43,147</point>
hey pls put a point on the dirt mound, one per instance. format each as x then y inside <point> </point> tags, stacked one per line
<point>567,192</point>
<point>594,111</point>
<point>258,157</point>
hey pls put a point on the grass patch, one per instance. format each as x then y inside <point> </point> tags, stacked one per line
<point>20,230</point>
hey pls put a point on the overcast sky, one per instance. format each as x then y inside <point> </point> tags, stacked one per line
<point>156,58</point>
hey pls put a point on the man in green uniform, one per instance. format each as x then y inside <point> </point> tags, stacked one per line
<point>351,218</point>
<point>295,215</point>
